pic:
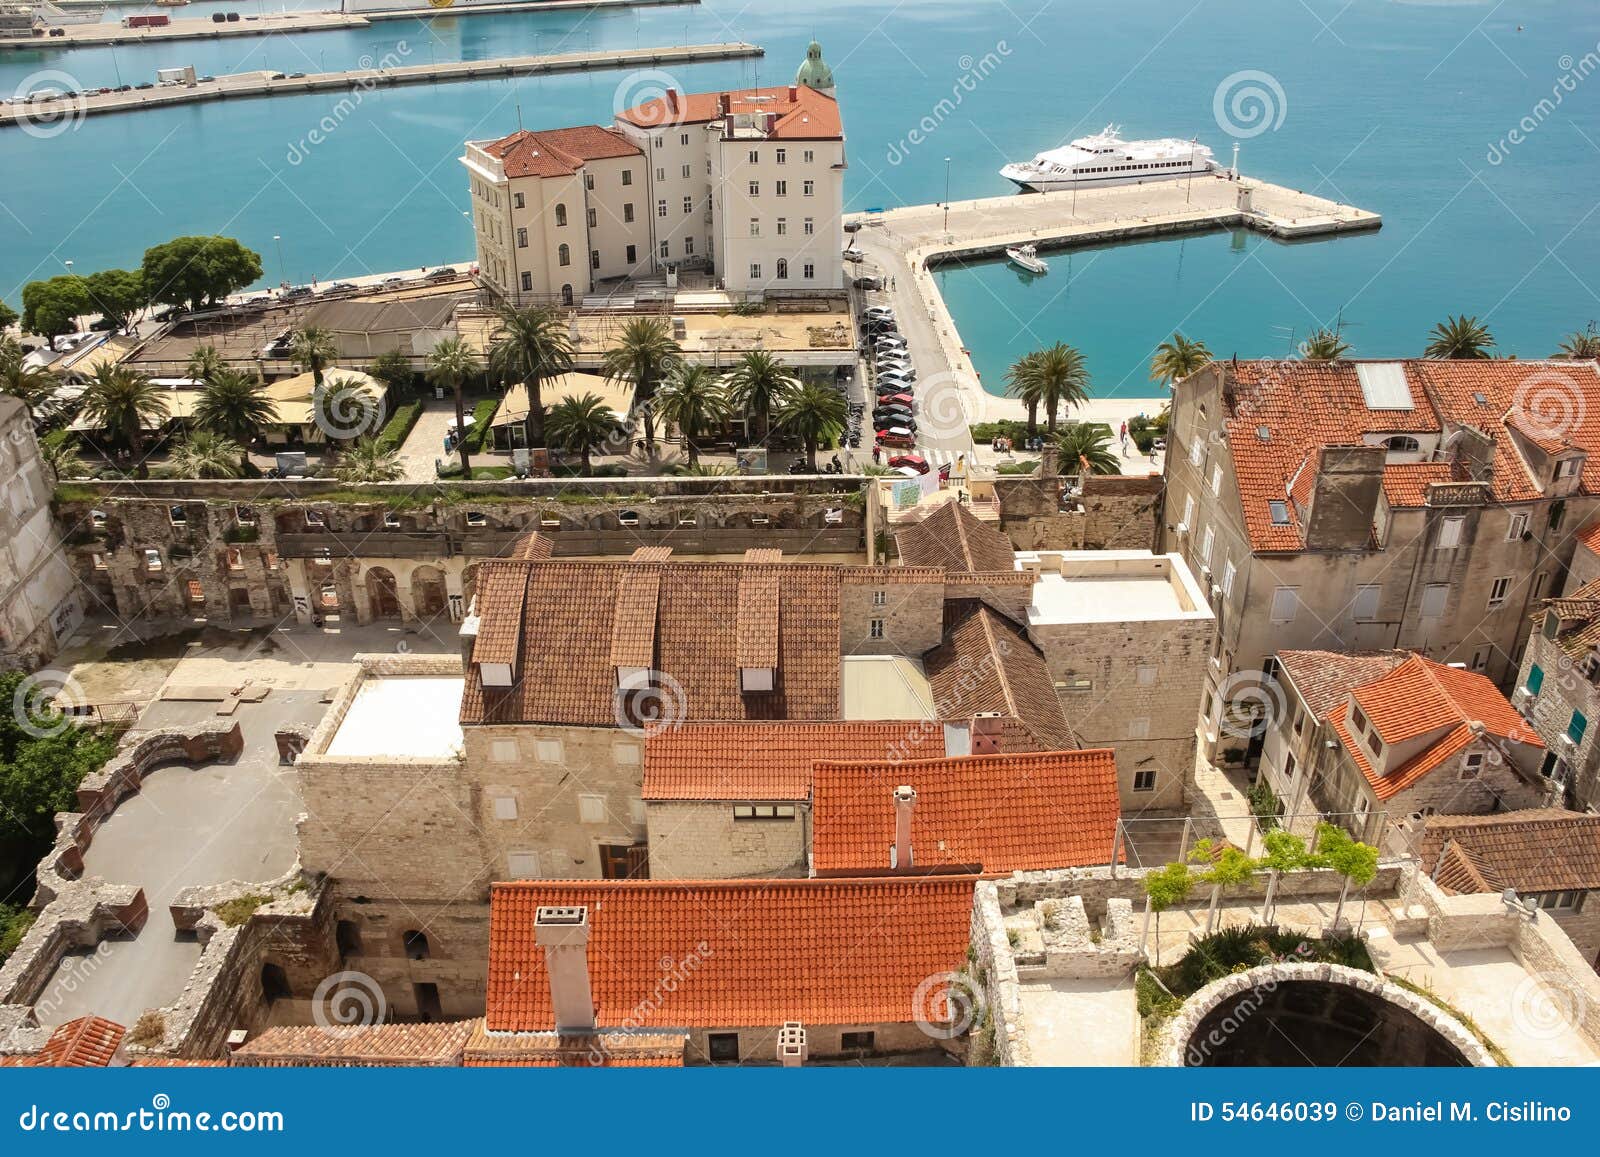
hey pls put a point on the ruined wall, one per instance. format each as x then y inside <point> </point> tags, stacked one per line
<point>1113,511</point>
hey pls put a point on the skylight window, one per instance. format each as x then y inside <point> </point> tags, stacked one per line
<point>1279,511</point>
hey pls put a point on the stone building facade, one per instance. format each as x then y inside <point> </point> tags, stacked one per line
<point>1046,511</point>
<point>40,604</point>
<point>1558,691</point>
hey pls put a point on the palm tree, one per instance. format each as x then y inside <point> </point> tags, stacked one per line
<point>1062,377</point>
<point>450,364</point>
<point>1458,339</point>
<point>815,414</point>
<point>122,401</point>
<point>1325,345</point>
<point>235,406</point>
<point>313,349</point>
<point>1088,443</point>
<point>758,386</point>
<point>365,460</point>
<point>33,386</point>
<point>1580,345</point>
<point>694,400</point>
<point>581,424</point>
<point>1023,383</point>
<point>1177,359</point>
<point>530,346</point>
<point>205,363</point>
<point>61,455</point>
<point>204,454</point>
<point>642,359</point>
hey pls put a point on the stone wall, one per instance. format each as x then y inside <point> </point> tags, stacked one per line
<point>1112,512</point>
<point>911,613</point>
<point>700,840</point>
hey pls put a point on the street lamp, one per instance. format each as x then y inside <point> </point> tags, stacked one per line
<point>947,195</point>
<point>283,270</point>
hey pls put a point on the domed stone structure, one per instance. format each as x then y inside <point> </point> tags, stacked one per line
<point>814,71</point>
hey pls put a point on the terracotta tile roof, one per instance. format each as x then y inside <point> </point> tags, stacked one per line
<point>534,547</point>
<point>356,1046</point>
<point>1283,413</point>
<point>1405,484</point>
<point>763,556</point>
<point>742,953</point>
<point>803,113</point>
<point>987,663</point>
<point>175,1063</point>
<point>877,576</point>
<point>756,627</point>
<point>1324,678</point>
<point>538,1050</point>
<point>1589,536</point>
<point>650,554</point>
<point>90,1042</point>
<point>956,539</point>
<point>1396,780</point>
<point>1458,871</point>
<point>758,761</point>
<point>633,620</point>
<point>1579,613</point>
<point>1532,851</point>
<point>563,614</point>
<point>558,152</point>
<point>1004,813</point>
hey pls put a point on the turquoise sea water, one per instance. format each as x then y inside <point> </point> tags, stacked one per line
<point>1395,107</point>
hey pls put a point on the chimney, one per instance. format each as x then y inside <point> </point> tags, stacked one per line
<point>563,933</point>
<point>1344,497</point>
<point>1048,465</point>
<point>672,99</point>
<point>724,104</point>
<point>792,1047</point>
<point>986,733</point>
<point>236,1040</point>
<point>905,800</point>
<point>794,93</point>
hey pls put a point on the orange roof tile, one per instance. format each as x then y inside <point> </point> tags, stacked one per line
<point>537,1050</point>
<point>987,663</point>
<point>1005,813</point>
<point>90,1042</point>
<point>956,539</point>
<point>558,152</point>
<point>356,1046</point>
<point>1532,851</point>
<point>756,629</point>
<point>760,761</point>
<point>802,113</point>
<point>1405,484</point>
<point>1324,678</point>
<point>1589,536</point>
<point>739,953</point>
<point>633,621</point>
<point>1421,696</point>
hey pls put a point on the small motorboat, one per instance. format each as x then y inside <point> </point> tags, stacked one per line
<point>1027,257</point>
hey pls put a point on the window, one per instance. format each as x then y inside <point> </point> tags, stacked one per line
<point>1357,719</point>
<point>522,865</point>
<point>1567,467</point>
<point>632,254</point>
<point>593,218</point>
<point>809,156</point>
<point>517,201</point>
<point>152,561</point>
<point>1216,479</point>
<point>755,188</point>
<point>781,188</point>
<point>688,205</point>
<point>1228,573</point>
<point>625,754</point>
<point>594,259</point>
<point>755,157</point>
<point>683,139</point>
<point>755,226</point>
<point>808,271</point>
<point>809,228</point>
<point>591,809</point>
<point>783,226</point>
<point>1364,607</point>
<point>527,283</point>
<point>1285,604</point>
<point>416,944</point>
<point>627,176</point>
<point>688,246</point>
<point>857,1042</point>
<point>1576,726</point>
<point>1518,526</point>
<point>1402,443</point>
<point>1145,675</point>
<point>755,271</point>
<point>1569,901</point>
<point>627,211</point>
<point>661,207</point>
<point>880,598</point>
<point>1450,533</point>
<point>763,811</point>
<point>1434,598</point>
<point>808,188</point>
<point>783,269</point>
<point>547,750</point>
<point>1075,684</point>
<point>315,518</point>
<point>1144,781</point>
<point>235,558</point>
<point>561,216</point>
<point>564,254</point>
<point>1278,511</point>
<point>1197,452</point>
<point>723,1046</point>
<point>99,560</point>
<point>1206,540</point>
<point>661,173</point>
<point>1139,727</point>
<point>244,516</point>
<point>782,156</point>
<point>875,629</point>
<point>1299,721</point>
<point>686,168</point>
<point>505,807</point>
<point>1498,590</point>
<point>503,751</point>
<point>1471,765</point>
<point>1188,510</point>
<point>1535,679</point>
<point>1288,767</point>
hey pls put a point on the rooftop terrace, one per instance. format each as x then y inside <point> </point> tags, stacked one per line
<point>1110,586</point>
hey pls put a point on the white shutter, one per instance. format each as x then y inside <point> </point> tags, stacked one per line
<point>1434,597</point>
<point>1364,608</point>
<point>1285,602</point>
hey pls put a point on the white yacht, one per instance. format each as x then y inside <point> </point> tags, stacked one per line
<point>1107,159</point>
<point>1027,257</point>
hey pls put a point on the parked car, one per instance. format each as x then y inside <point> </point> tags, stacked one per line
<point>297,76</point>
<point>915,461</point>
<point>896,436</point>
<point>853,254</point>
<point>342,287</point>
<point>878,311</point>
<point>390,281</point>
<point>443,273</point>
<point>869,283</point>
<point>295,292</point>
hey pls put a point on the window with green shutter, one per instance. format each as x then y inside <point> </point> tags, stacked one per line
<point>1576,726</point>
<point>1535,679</point>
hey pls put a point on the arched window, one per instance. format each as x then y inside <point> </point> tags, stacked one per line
<point>566,294</point>
<point>564,254</point>
<point>416,945</point>
<point>1402,442</point>
<point>348,934</point>
<point>274,983</point>
<point>783,268</point>
<point>561,214</point>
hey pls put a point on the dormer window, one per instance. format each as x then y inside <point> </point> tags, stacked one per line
<point>1569,467</point>
<point>1357,720</point>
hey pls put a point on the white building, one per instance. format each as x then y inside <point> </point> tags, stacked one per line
<point>748,184</point>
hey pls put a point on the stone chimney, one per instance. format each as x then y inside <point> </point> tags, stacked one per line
<point>794,93</point>
<point>672,99</point>
<point>986,733</point>
<point>236,1040</point>
<point>1344,498</point>
<point>905,801</point>
<point>1049,461</point>
<point>563,933</point>
<point>792,1047</point>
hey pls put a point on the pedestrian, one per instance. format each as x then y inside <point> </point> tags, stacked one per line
<point>877,454</point>
<point>1124,430</point>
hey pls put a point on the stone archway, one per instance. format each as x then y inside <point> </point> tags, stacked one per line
<point>383,594</point>
<point>428,592</point>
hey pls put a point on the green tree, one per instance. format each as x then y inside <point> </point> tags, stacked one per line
<point>581,424</point>
<point>313,348</point>
<point>8,317</point>
<point>1460,338</point>
<point>204,454</point>
<point>365,460</point>
<point>1226,866</point>
<point>61,455</point>
<point>235,406</point>
<point>117,294</point>
<point>197,271</point>
<point>394,369</point>
<point>814,414</point>
<point>1325,345</point>
<point>757,387</point>
<point>1176,359</point>
<point>1059,377</point>
<point>1355,861</point>
<point>695,401</point>
<point>205,363</point>
<point>122,402</point>
<point>1087,443</point>
<point>51,308</point>
<point>642,359</point>
<point>1580,345</point>
<point>1022,383</point>
<point>530,346</point>
<point>1163,887</point>
<point>450,364</point>
<point>1285,852</point>
<point>33,386</point>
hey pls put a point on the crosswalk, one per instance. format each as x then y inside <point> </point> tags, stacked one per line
<point>940,456</point>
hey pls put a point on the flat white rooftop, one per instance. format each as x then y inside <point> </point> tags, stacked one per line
<point>1110,586</point>
<point>405,715</point>
<point>884,687</point>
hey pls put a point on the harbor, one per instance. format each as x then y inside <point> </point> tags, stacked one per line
<point>256,84</point>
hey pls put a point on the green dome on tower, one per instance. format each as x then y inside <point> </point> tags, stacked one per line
<point>814,72</point>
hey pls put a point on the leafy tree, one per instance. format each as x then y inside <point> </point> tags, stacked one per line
<point>365,460</point>
<point>122,401</point>
<point>1087,442</point>
<point>205,363</point>
<point>61,455</point>
<point>1176,359</point>
<point>1355,861</point>
<point>695,401</point>
<point>117,294</point>
<point>1460,338</point>
<point>642,359</point>
<point>1164,887</point>
<point>1325,345</point>
<point>313,348</point>
<point>1022,383</point>
<point>8,317</point>
<point>33,386</point>
<point>758,385</point>
<point>530,346</point>
<point>1285,852</point>
<point>450,364</point>
<point>51,308</point>
<point>815,414</point>
<point>394,369</point>
<point>198,271</point>
<point>203,454</point>
<point>235,406</point>
<point>1226,866</point>
<point>1581,345</point>
<point>581,424</point>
